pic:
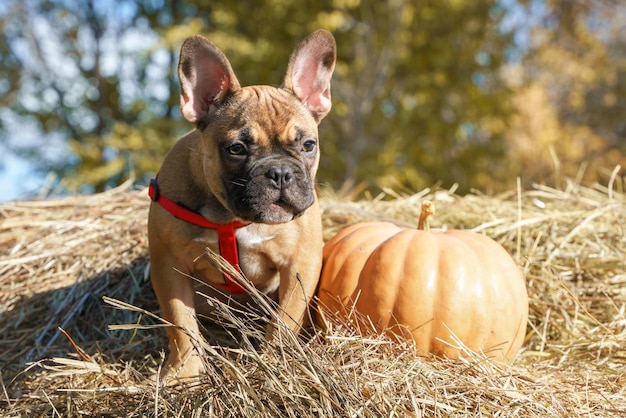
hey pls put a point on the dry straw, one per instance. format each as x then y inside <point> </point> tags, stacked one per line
<point>81,333</point>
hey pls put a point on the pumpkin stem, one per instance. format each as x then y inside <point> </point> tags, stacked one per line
<point>428,208</point>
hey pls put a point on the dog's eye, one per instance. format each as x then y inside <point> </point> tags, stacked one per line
<point>309,145</point>
<point>236,149</point>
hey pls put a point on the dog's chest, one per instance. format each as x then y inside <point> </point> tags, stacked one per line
<point>254,258</point>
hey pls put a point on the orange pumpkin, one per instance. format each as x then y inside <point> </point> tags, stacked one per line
<point>433,286</point>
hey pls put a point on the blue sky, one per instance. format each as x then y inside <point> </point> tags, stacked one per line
<point>18,178</point>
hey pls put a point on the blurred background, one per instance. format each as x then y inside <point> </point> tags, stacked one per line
<point>425,92</point>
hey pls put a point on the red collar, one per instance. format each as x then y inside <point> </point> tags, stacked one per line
<point>225,233</point>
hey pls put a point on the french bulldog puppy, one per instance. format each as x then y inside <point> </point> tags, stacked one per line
<point>242,183</point>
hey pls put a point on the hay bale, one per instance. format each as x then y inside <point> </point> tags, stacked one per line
<point>67,350</point>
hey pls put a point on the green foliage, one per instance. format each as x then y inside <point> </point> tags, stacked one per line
<point>421,92</point>
<point>417,101</point>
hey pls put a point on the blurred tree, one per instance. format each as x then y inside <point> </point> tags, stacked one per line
<point>421,101</point>
<point>423,92</point>
<point>96,76</point>
<point>416,96</point>
<point>416,93</point>
<point>570,105</point>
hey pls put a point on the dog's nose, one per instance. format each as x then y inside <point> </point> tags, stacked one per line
<point>280,177</point>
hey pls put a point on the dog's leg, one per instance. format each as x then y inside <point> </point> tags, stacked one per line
<point>295,294</point>
<point>299,278</point>
<point>176,298</point>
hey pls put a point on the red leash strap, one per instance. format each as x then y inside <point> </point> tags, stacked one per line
<point>225,234</point>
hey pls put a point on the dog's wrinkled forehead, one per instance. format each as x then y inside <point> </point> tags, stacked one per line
<point>266,113</point>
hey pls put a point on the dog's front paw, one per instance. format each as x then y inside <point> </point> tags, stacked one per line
<point>178,371</point>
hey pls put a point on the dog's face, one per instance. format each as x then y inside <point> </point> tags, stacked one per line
<point>260,155</point>
<point>259,147</point>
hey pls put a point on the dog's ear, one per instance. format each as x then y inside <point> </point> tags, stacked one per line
<point>309,71</point>
<point>206,78</point>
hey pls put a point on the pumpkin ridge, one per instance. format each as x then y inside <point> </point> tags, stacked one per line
<point>453,275</point>
<point>423,262</point>
<point>499,290</point>
<point>343,257</point>
<point>382,291</point>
